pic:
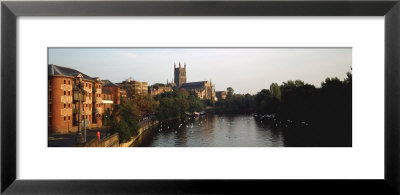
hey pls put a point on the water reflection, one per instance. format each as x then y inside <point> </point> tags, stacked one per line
<point>213,130</point>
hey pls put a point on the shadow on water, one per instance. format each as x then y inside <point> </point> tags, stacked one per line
<point>329,136</point>
<point>212,130</point>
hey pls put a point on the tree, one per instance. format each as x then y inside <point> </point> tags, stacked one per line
<point>128,123</point>
<point>107,117</point>
<point>144,103</point>
<point>175,104</point>
<point>229,92</point>
<point>275,91</point>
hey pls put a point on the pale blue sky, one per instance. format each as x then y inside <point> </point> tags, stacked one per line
<point>246,70</point>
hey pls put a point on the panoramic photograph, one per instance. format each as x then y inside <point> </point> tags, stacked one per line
<point>199,97</point>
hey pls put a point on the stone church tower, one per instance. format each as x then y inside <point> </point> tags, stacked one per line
<point>179,75</point>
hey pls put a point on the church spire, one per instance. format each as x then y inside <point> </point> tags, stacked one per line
<point>179,64</point>
<point>174,64</point>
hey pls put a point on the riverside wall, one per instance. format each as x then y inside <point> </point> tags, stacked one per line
<point>143,128</point>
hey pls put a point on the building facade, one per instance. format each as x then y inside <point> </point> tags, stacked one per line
<point>157,89</point>
<point>221,95</point>
<point>63,111</point>
<point>179,75</point>
<point>114,89</point>
<point>204,89</point>
<point>133,88</point>
<point>107,100</point>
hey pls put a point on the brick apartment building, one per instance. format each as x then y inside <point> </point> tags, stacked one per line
<point>107,100</point>
<point>114,89</point>
<point>62,111</point>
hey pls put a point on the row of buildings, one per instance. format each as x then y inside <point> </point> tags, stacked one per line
<point>101,95</point>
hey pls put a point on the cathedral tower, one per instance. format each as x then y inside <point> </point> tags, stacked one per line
<point>179,74</point>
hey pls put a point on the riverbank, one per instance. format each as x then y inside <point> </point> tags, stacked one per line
<point>142,129</point>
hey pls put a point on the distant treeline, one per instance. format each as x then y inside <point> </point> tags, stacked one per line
<point>297,101</point>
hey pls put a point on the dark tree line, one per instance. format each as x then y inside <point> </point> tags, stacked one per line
<point>235,103</point>
<point>297,101</point>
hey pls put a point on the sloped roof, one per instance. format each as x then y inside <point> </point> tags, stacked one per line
<point>194,84</point>
<point>107,83</point>
<point>54,70</point>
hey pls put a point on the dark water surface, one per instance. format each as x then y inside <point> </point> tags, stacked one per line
<point>214,130</point>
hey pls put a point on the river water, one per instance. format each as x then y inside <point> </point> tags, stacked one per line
<point>213,130</point>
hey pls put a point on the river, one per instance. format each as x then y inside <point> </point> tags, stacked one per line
<point>213,130</point>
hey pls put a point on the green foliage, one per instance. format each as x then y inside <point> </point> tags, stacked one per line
<point>145,104</point>
<point>275,91</point>
<point>265,102</point>
<point>236,104</point>
<point>107,118</point>
<point>229,92</point>
<point>128,123</point>
<point>298,101</point>
<point>195,105</point>
<point>123,130</point>
<point>176,103</point>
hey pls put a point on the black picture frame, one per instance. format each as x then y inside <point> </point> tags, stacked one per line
<point>10,10</point>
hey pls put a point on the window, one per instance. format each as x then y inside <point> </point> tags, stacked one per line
<point>69,118</point>
<point>69,105</point>
<point>65,118</point>
<point>65,105</point>
<point>69,93</point>
<point>50,95</point>
<point>65,93</point>
<point>69,82</point>
<point>85,84</point>
<point>64,82</point>
<point>50,108</point>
